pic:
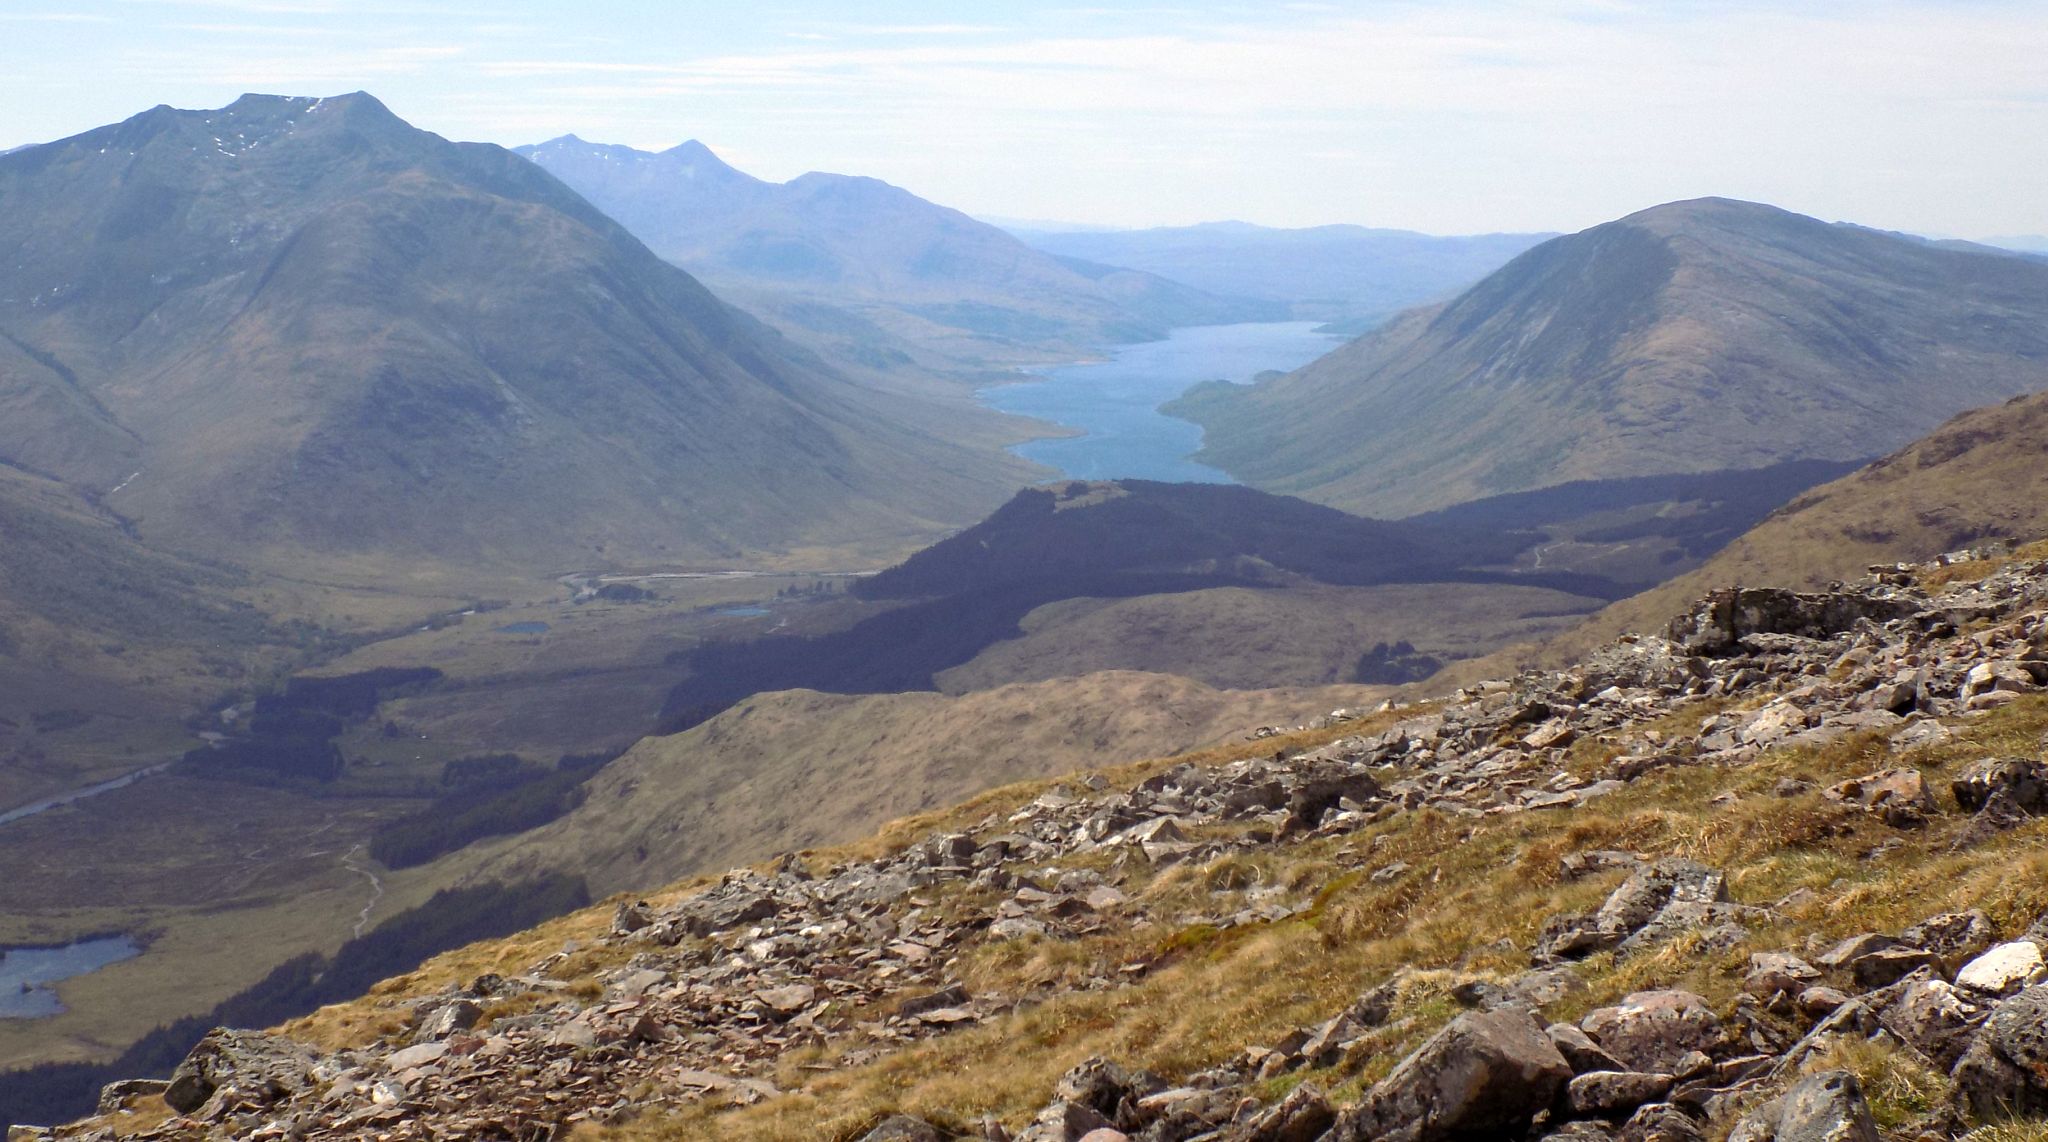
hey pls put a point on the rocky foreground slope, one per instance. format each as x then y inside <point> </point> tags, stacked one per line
<point>1777,874</point>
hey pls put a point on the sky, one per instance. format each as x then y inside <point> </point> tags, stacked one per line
<point>1455,116</point>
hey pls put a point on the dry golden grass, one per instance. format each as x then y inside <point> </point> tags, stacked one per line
<point>1976,570</point>
<point>1440,922</point>
<point>1472,901</point>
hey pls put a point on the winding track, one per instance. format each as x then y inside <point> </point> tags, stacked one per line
<point>348,861</point>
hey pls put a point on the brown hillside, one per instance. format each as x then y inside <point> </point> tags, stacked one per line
<point>798,769</point>
<point>1982,476</point>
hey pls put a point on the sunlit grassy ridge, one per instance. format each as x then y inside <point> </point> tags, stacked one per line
<point>1472,900</point>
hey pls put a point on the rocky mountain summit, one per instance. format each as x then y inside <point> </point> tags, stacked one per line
<point>1773,874</point>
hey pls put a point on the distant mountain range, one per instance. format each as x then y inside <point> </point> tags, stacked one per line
<point>299,327</point>
<point>1352,276</point>
<point>2029,243</point>
<point>1696,336</point>
<point>869,264</point>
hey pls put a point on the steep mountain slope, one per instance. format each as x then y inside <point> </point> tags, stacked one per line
<point>105,644</point>
<point>1983,476</point>
<point>799,769</point>
<point>1354,276</point>
<point>879,260</point>
<point>1690,337</point>
<point>301,325</point>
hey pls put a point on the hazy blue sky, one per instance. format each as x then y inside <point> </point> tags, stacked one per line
<point>1449,117</point>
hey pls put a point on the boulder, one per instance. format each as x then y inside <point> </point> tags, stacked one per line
<point>262,1067</point>
<point>1955,936</point>
<point>1824,1107</point>
<point>1580,1052</point>
<point>115,1095</point>
<point>1898,797</point>
<point>1719,622</point>
<point>418,1055</point>
<point>1305,1115</point>
<point>1661,1122</point>
<point>711,915</point>
<point>1847,951</point>
<point>1614,1095</point>
<point>1935,1018</point>
<point>2004,970</point>
<point>1661,900</point>
<point>1064,1121</point>
<point>1774,972</point>
<point>448,1019</point>
<point>1105,1088</point>
<point>903,1128</point>
<point>1486,1075</point>
<point>1889,965</point>
<point>2005,1071</point>
<point>2022,781</point>
<point>1653,1030</point>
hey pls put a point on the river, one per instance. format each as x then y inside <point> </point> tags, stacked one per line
<point>1115,403</point>
<point>49,803</point>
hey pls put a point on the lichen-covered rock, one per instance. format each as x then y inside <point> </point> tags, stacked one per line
<point>1486,1075</point>
<point>1955,936</point>
<point>1614,1095</point>
<point>903,1128</point>
<point>1718,623</point>
<point>1653,1030</point>
<point>1935,1017</point>
<point>1661,1122</point>
<point>1898,797</point>
<point>1580,1052</point>
<point>1825,1107</point>
<point>262,1068</point>
<point>2005,1071</point>
<point>1773,972</point>
<point>2023,781</point>
<point>1305,1115</point>
<point>2004,970</point>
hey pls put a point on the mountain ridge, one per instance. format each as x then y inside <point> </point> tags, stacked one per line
<point>1707,334</point>
<point>927,274</point>
<point>482,367</point>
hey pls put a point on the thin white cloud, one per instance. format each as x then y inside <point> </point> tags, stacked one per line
<point>1435,114</point>
<point>55,18</point>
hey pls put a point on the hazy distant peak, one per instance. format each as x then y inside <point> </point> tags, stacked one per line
<point>850,186</point>
<point>695,151</point>
<point>1716,212</point>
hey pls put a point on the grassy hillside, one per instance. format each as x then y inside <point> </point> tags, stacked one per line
<point>799,769</point>
<point>1690,337</point>
<point>1981,476</point>
<point>105,643</point>
<point>1244,638</point>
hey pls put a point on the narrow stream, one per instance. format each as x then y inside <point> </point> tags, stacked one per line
<point>49,803</point>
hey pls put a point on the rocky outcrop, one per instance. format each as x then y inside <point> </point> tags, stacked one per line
<point>702,996</point>
<point>1826,1107</point>
<point>1487,1075</point>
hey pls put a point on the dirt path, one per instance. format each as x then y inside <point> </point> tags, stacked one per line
<point>348,861</point>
